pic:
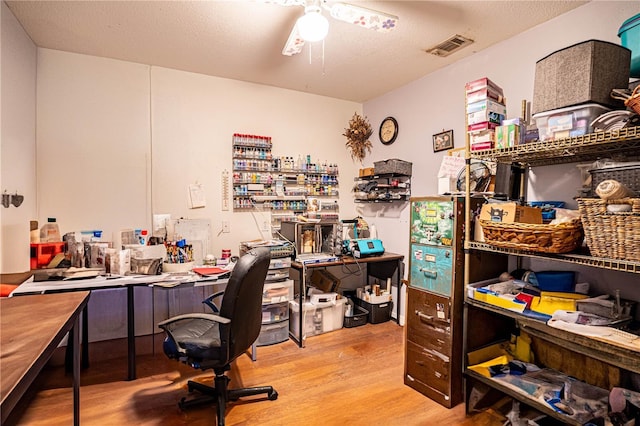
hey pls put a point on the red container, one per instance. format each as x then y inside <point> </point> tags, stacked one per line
<point>43,253</point>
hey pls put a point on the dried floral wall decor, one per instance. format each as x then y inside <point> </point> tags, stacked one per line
<point>358,134</point>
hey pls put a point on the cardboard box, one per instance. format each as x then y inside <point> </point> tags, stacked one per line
<point>482,83</point>
<point>487,105</point>
<point>482,136</point>
<point>510,213</point>
<point>325,281</point>
<point>447,185</point>
<point>367,171</point>
<point>485,125</point>
<point>582,73</point>
<point>486,93</point>
<point>507,135</point>
<point>484,115</point>
<point>481,146</point>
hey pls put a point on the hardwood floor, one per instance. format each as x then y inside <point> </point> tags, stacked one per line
<point>350,376</point>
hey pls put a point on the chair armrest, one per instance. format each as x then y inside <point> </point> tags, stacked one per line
<point>209,301</point>
<point>195,315</point>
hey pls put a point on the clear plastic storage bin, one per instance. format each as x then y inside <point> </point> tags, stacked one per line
<point>567,122</point>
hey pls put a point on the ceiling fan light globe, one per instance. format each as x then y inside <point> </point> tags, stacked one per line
<point>313,26</point>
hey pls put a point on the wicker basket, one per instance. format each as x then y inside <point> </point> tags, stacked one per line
<point>608,234</point>
<point>634,100</point>
<point>547,238</point>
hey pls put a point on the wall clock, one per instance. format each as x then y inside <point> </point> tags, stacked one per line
<point>388,130</point>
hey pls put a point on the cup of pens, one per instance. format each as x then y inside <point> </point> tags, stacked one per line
<point>179,257</point>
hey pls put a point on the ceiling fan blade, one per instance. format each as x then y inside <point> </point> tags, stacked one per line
<point>284,2</point>
<point>361,16</point>
<point>294,43</point>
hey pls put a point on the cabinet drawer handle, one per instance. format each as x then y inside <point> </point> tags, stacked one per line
<point>429,273</point>
<point>424,316</point>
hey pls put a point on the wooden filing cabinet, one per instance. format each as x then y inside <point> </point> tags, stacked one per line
<point>433,365</point>
<point>434,327</point>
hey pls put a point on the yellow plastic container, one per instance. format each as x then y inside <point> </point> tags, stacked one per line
<point>551,301</point>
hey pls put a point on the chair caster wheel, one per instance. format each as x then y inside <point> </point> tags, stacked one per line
<point>182,404</point>
<point>272,396</point>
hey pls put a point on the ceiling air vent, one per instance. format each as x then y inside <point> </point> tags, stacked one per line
<point>449,46</point>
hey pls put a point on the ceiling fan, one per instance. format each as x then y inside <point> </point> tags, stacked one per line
<point>313,26</point>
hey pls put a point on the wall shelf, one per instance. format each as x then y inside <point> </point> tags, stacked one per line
<point>578,259</point>
<point>569,150</point>
<point>383,188</point>
<point>262,182</point>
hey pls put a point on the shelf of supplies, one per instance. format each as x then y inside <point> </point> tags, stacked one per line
<point>606,352</point>
<point>381,176</point>
<point>403,199</point>
<point>568,150</point>
<point>261,198</point>
<point>257,144</point>
<point>280,171</point>
<point>544,408</point>
<point>579,259</point>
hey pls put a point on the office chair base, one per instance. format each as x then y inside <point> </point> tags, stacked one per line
<point>219,395</point>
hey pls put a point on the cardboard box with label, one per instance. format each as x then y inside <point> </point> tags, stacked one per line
<point>510,213</point>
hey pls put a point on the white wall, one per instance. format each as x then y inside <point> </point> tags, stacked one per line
<point>119,141</point>
<point>94,144</point>
<point>436,102</point>
<point>17,143</point>
<point>194,117</point>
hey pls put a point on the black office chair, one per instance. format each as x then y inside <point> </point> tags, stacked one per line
<point>206,341</point>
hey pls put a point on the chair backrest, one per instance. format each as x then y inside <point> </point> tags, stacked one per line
<point>242,302</point>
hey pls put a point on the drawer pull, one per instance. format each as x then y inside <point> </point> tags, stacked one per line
<point>435,354</point>
<point>424,316</point>
<point>429,273</point>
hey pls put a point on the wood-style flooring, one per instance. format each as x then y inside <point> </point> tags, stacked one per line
<point>352,376</point>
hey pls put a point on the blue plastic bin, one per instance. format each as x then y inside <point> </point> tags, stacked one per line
<point>564,281</point>
<point>548,208</point>
<point>629,34</point>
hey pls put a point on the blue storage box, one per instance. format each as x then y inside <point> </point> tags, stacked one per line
<point>561,281</point>
<point>629,34</point>
<point>548,208</point>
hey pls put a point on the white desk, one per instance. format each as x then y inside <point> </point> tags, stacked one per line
<point>101,283</point>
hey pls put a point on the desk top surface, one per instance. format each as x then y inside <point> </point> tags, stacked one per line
<point>32,327</point>
<point>349,260</point>
<point>102,282</point>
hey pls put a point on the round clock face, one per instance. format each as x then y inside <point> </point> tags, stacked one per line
<point>388,130</point>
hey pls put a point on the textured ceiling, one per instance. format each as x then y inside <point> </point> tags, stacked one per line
<point>243,39</point>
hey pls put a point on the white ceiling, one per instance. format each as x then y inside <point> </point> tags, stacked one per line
<point>243,39</point>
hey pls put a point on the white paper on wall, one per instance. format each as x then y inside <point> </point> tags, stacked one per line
<point>196,196</point>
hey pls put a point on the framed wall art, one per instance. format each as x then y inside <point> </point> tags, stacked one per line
<point>442,141</point>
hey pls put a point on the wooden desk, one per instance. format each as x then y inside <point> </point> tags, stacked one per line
<point>32,327</point>
<point>382,267</point>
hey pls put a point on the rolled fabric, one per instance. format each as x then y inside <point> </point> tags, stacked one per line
<point>613,190</point>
